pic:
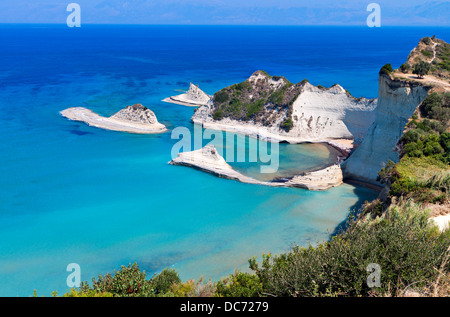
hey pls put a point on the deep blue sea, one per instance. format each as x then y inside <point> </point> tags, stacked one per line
<point>70,193</point>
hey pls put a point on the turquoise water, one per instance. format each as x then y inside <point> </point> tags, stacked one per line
<point>71,193</point>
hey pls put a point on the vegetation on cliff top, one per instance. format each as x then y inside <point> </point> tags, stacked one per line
<point>432,51</point>
<point>423,172</point>
<point>259,101</point>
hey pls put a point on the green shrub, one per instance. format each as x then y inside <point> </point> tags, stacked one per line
<point>239,285</point>
<point>386,69</point>
<point>221,96</point>
<point>162,282</point>
<point>86,293</point>
<point>427,53</point>
<point>404,68</point>
<point>426,40</point>
<point>127,282</point>
<point>406,246</point>
<point>437,106</point>
<point>421,68</point>
<point>218,114</point>
<point>287,124</point>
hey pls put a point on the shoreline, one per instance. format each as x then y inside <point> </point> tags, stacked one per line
<point>364,184</point>
<point>343,145</point>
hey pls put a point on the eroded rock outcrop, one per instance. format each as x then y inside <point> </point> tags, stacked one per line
<point>132,119</point>
<point>397,101</point>
<point>194,97</point>
<point>136,113</point>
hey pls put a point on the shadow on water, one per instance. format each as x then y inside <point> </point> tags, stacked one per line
<point>354,210</point>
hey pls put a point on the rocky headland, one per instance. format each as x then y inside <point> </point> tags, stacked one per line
<point>270,107</point>
<point>132,119</point>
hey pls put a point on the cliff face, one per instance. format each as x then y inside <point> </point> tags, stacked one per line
<point>270,106</point>
<point>321,114</point>
<point>397,101</point>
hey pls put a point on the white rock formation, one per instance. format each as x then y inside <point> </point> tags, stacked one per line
<point>209,160</point>
<point>397,101</point>
<point>322,114</point>
<point>194,97</point>
<point>132,119</point>
<point>319,115</point>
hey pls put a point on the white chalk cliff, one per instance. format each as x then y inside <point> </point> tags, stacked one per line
<point>397,101</point>
<point>321,114</point>
<point>318,114</point>
<point>194,97</point>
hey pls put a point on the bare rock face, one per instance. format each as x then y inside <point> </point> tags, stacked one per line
<point>197,95</point>
<point>136,113</point>
<point>397,101</point>
<point>193,98</point>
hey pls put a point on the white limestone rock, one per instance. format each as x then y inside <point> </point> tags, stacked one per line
<point>397,101</point>
<point>194,97</point>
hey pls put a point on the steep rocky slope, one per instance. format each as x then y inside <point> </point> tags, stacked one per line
<point>397,101</point>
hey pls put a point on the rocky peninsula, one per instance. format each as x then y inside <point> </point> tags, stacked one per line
<point>133,119</point>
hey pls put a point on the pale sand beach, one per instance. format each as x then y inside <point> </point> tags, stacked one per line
<point>92,119</point>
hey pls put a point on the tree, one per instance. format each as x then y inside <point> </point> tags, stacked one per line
<point>404,68</point>
<point>386,69</point>
<point>421,69</point>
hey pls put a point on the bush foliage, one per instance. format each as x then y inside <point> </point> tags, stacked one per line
<point>404,243</point>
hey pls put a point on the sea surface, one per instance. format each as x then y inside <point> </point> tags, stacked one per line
<point>70,193</point>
